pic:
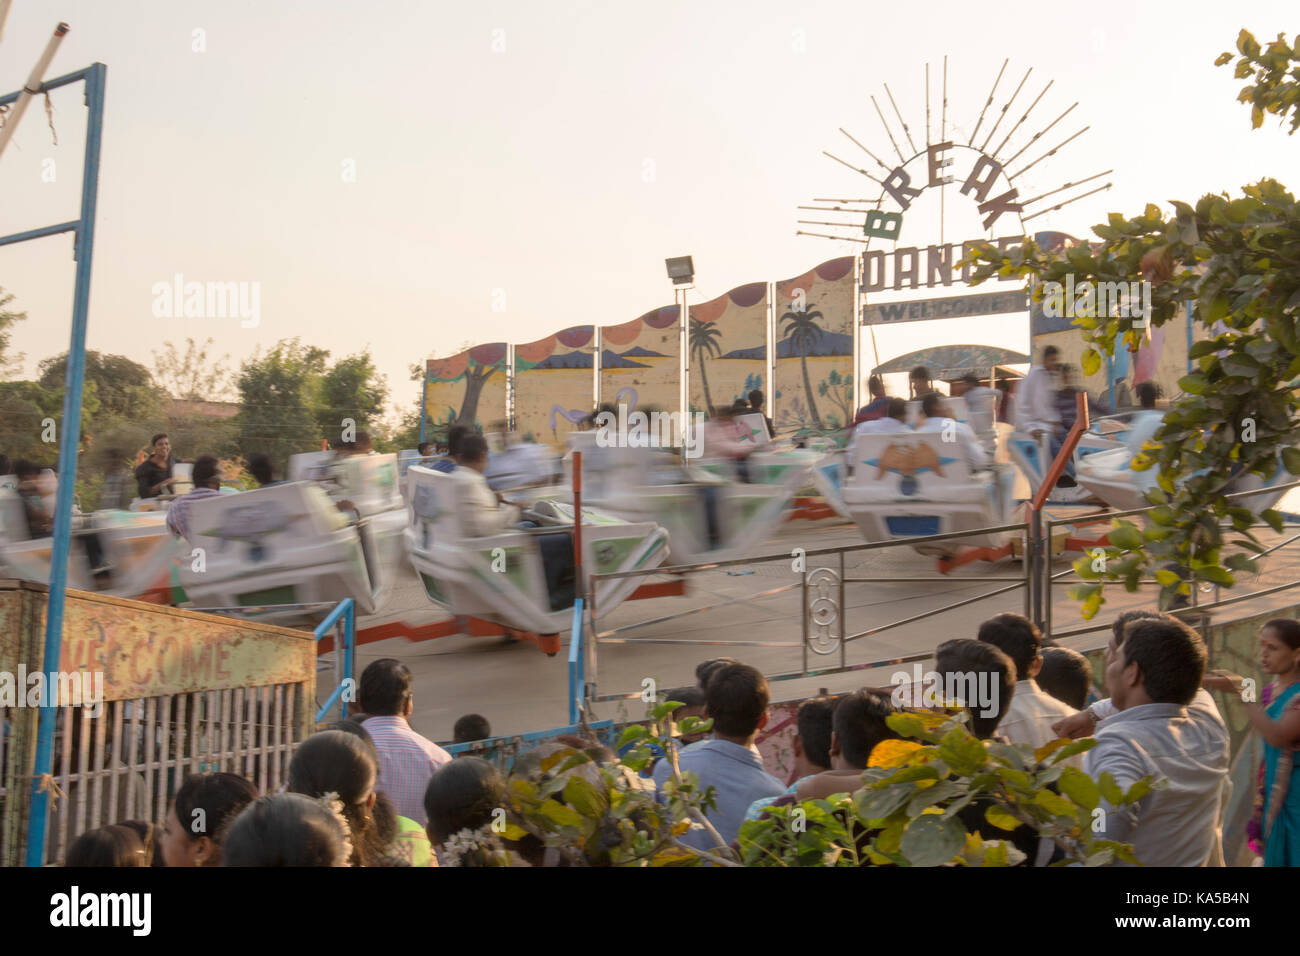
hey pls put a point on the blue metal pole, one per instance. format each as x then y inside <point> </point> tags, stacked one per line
<point>71,426</point>
<point>576,676</point>
<point>349,643</point>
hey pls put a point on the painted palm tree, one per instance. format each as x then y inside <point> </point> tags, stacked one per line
<point>703,343</point>
<point>802,330</point>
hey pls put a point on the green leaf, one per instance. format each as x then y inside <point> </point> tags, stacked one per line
<point>1000,818</point>
<point>1126,536</point>
<point>962,752</point>
<point>1091,362</point>
<point>1054,804</point>
<point>1291,460</point>
<point>582,796</point>
<point>877,804</point>
<point>1079,787</point>
<point>931,840</point>
<point>1167,578</point>
<point>1110,790</point>
<point>560,814</point>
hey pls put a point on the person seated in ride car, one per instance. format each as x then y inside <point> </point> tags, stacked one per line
<point>937,417</point>
<point>483,512</point>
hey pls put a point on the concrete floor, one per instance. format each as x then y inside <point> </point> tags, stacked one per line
<point>519,689</point>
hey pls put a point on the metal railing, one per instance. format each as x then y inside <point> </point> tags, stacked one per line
<point>342,623</point>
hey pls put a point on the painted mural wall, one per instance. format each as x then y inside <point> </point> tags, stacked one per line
<point>466,388</point>
<point>727,343</point>
<point>555,381</point>
<point>815,328</point>
<point>640,361</point>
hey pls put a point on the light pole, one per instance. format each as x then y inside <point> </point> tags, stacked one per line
<point>681,270</point>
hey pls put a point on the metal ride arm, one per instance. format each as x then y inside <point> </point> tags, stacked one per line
<point>1037,551</point>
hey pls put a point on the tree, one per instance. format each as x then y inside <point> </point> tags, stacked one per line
<point>351,389</point>
<point>8,318</point>
<point>1235,262</point>
<point>125,388</point>
<point>803,332</point>
<point>703,342</point>
<point>192,375</point>
<point>278,396</point>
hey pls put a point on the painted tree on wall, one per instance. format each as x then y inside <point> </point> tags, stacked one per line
<point>801,328</point>
<point>704,343</point>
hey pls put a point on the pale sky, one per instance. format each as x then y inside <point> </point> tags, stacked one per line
<point>547,156</point>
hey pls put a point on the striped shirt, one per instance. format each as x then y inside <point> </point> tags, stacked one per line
<point>178,515</point>
<point>406,762</point>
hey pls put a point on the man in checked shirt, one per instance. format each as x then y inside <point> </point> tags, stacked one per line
<point>406,759</point>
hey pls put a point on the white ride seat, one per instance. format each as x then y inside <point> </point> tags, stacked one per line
<point>914,484</point>
<point>502,577</point>
<point>283,544</point>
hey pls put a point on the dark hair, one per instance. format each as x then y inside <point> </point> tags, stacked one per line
<point>284,829</point>
<point>1066,675</point>
<point>473,447</point>
<point>970,659</point>
<point>259,466</point>
<point>455,435</point>
<point>353,726</point>
<point>117,845</point>
<point>756,399</point>
<point>157,438</point>
<point>689,696</point>
<point>859,725</point>
<point>150,835</point>
<point>1147,393</point>
<point>876,384</point>
<point>364,440</point>
<point>736,698</point>
<point>424,448</point>
<point>26,469</point>
<point>897,409</point>
<point>334,761</point>
<point>1117,626</point>
<point>970,378</point>
<point>4,464</point>
<point>385,688</point>
<point>920,372</point>
<point>813,720</point>
<point>461,795</point>
<point>704,670</point>
<point>1050,351</point>
<point>471,727</point>
<point>1016,636</point>
<point>1287,631</point>
<point>218,797</point>
<point>1170,655</point>
<point>932,404</point>
<point>205,469</point>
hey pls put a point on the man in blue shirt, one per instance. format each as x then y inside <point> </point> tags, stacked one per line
<point>736,699</point>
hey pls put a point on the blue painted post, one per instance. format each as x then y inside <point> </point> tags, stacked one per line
<point>71,427</point>
<point>577,678</point>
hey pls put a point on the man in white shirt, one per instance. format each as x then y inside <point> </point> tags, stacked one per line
<point>937,417</point>
<point>1163,729</point>
<point>482,511</point>
<point>1036,396</point>
<point>1033,711</point>
<point>982,402</point>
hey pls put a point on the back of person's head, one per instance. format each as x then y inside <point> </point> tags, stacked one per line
<point>334,761</point>
<point>471,727</point>
<point>876,385</point>
<point>971,379</point>
<point>1050,352</point>
<point>982,676</point>
<point>205,473</point>
<point>1170,656</point>
<point>204,806</point>
<point>898,409</point>
<point>424,449</point>
<point>859,725</point>
<point>26,469</point>
<point>115,845</point>
<point>756,399</point>
<point>1016,636</point>
<point>6,466</point>
<point>814,721</point>
<point>472,449</point>
<point>461,795</point>
<point>259,466</point>
<point>1066,675</point>
<point>920,374</point>
<point>1147,393</point>
<point>1118,625</point>
<point>687,696</point>
<point>285,829</point>
<point>365,442</point>
<point>736,698</point>
<point>385,688</point>
<point>150,835</point>
<point>932,405</point>
<point>704,670</point>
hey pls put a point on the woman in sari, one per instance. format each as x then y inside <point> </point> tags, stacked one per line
<point>1278,721</point>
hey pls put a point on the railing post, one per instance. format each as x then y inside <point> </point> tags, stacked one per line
<point>843,615</point>
<point>803,618</point>
<point>577,679</point>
